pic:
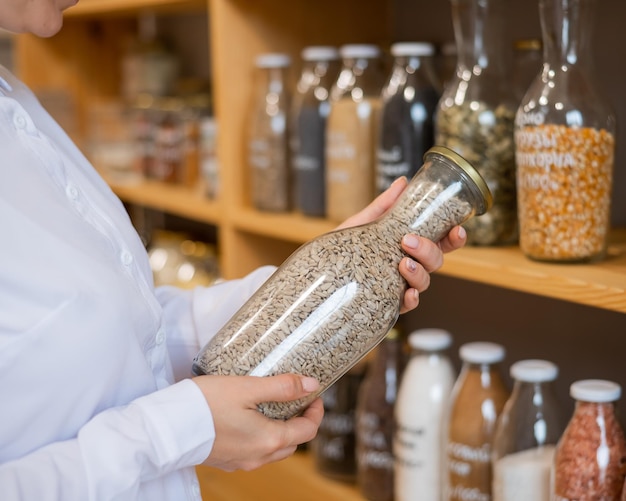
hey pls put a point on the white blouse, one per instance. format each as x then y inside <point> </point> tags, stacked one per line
<point>89,350</point>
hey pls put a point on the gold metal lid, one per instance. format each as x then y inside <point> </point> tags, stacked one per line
<point>467,168</point>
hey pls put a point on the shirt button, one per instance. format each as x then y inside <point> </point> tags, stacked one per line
<point>126,258</point>
<point>19,121</point>
<point>196,490</point>
<point>71,191</point>
<point>160,337</point>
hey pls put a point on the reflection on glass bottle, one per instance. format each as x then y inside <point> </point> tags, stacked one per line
<point>565,142</point>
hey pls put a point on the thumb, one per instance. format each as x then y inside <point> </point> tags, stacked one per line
<point>282,388</point>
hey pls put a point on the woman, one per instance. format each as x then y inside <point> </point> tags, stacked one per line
<point>97,398</point>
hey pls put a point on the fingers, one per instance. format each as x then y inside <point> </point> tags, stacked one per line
<point>455,239</point>
<point>283,388</point>
<point>424,251</point>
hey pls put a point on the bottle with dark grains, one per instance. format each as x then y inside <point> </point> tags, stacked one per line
<point>375,420</point>
<point>408,105</point>
<point>334,447</point>
<point>476,113</point>
<point>590,458</point>
<point>307,140</point>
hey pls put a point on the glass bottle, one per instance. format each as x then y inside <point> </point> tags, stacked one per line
<point>422,403</point>
<point>336,297</point>
<point>526,434</point>
<point>527,63</point>
<point>351,131</point>
<point>476,113</point>
<point>268,148</point>
<point>308,128</point>
<point>565,140</point>
<point>590,457</point>
<point>478,397</point>
<point>408,105</point>
<point>334,446</point>
<point>374,419</point>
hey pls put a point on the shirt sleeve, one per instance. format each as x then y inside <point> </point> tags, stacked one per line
<point>117,450</point>
<point>193,317</point>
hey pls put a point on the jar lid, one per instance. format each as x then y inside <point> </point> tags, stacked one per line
<point>352,51</point>
<point>482,353</point>
<point>412,49</point>
<point>272,60</point>
<point>595,390</point>
<point>320,53</point>
<point>430,339</point>
<point>469,170</point>
<point>534,371</point>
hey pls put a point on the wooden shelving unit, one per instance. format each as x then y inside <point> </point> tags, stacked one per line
<point>602,285</point>
<point>84,60</point>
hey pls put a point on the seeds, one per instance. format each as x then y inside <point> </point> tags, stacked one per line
<point>333,300</point>
<point>565,181</point>
<point>483,135</point>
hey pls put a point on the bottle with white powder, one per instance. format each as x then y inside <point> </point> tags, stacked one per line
<point>526,434</point>
<point>421,405</point>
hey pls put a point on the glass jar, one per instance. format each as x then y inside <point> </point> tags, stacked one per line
<point>351,132</point>
<point>526,434</point>
<point>590,457</point>
<point>337,296</point>
<point>408,104</point>
<point>334,446</point>
<point>565,140</point>
<point>478,397</point>
<point>268,147</point>
<point>476,113</point>
<point>422,403</point>
<point>374,419</point>
<point>308,128</point>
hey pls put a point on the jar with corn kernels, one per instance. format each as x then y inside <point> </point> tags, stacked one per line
<point>565,145</point>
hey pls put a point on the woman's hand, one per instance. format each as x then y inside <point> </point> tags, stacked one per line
<point>426,256</point>
<point>244,438</point>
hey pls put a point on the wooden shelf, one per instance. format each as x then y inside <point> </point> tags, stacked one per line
<point>293,478</point>
<point>176,200</point>
<point>602,285</point>
<point>88,8</point>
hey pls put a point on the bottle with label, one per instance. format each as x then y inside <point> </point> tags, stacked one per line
<point>351,131</point>
<point>565,142</point>
<point>334,446</point>
<point>408,105</point>
<point>307,140</point>
<point>374,419</point>
<point>336,297</point>
<point>477,109</point>
<point>478,397</point>
<point>423,398</point>
<point>590,457</point>
<point>268,148</point>
<point>526,434</point>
